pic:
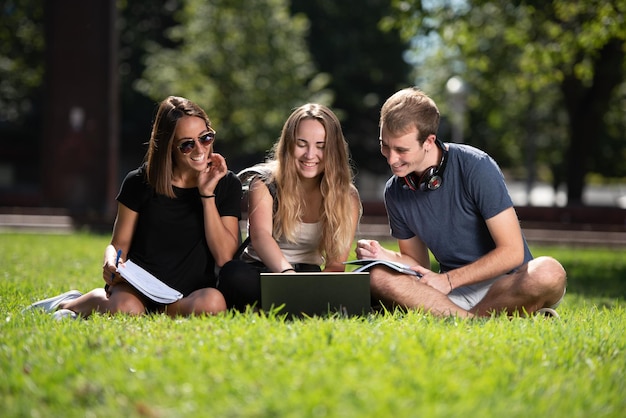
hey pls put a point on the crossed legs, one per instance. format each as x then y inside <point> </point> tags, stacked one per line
<point>125,299</point>
<point>537,284</point>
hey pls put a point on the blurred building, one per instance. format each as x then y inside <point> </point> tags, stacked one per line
<point>76,158</point>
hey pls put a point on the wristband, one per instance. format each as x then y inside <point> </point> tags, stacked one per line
<point>286,270</point>
<point>449,281</point>
<point>207,196</point>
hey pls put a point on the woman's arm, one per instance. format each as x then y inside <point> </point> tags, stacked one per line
<point>121,238</point>
<point>260,218</point>
<point>221,232</point>
<point>355,200</point>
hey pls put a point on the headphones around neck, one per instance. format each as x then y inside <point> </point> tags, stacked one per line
<point>432,177</point>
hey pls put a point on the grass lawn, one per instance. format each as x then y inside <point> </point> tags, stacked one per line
<point>248,365</point>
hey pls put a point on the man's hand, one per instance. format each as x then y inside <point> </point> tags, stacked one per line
<point>369,249</point>
<point>437,281</point>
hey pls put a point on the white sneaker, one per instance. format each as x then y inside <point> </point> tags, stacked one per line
<point>547,312</point>
<point>50,305</point>
<point>64,313</point>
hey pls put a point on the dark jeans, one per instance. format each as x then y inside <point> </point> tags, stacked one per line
<point>240,282</point>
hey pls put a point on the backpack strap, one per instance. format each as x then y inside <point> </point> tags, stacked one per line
<point>247,176</point>
<point>242,248</point>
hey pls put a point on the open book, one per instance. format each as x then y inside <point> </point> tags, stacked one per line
<point>367,264</point>
<point>147,284</point>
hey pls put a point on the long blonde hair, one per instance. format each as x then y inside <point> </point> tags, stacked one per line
<point>336,184</point>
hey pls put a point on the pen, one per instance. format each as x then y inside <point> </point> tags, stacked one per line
<point>117,261</point>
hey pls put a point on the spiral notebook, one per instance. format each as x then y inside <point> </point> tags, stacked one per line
<point>316,294</point>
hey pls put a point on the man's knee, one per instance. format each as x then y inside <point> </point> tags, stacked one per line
<point>549,280</point>
<point>551,272</point>
<point>378,281</point>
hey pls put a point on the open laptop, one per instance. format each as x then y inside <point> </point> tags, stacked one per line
<point>320,293</point>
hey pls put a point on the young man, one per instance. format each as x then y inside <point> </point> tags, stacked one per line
<point>451,199</point>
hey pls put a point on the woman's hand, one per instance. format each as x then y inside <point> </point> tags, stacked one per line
<point>109,269</point>
<point>209,177</point>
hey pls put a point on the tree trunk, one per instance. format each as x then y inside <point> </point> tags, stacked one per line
<point>586,106</point>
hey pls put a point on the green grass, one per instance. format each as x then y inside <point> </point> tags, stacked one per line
<point>248,365</point>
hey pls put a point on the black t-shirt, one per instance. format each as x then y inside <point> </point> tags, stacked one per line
<point>169,239</point>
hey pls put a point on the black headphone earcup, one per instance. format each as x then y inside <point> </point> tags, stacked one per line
<point>434,182</point>
<point>425,179</point>
<point>431,179</point>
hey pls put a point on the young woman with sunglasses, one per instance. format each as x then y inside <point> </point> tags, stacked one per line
<point>303,208</point>
<point>178,218</point>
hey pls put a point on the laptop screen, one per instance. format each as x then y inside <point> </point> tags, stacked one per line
<point>319,293</point>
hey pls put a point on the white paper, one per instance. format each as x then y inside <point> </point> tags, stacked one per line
<point>367,264</point>
<point>147,284</point>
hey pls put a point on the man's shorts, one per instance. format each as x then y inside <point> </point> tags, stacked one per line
<point>467,297</point>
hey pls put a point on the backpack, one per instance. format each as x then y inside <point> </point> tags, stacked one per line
<point>247,176</point>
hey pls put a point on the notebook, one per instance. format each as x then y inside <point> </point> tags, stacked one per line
<point>320,293</point>
<point>147,284</point>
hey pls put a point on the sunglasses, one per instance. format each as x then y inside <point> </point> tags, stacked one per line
<point>187,146</point>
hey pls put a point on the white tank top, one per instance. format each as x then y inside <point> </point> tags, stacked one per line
<point>303,250</point>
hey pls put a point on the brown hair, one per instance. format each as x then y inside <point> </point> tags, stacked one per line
<point>407,108</point>
<point>159,162</point>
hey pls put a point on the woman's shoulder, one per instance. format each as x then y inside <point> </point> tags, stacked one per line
<point>136,177</point>
<point>230,183</point>
<point>135,189</point>
<point>355,200</point>
<point>354,192</point>
<point>231,177</point>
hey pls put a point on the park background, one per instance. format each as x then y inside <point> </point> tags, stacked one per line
<point>539,85</point>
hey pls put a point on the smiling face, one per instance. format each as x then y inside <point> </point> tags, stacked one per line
<point>309,148</point>
<point>191,128</point>
<point>405,154</point>
<point>409,121</point>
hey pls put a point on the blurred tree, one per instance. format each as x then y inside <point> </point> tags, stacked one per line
<point>542,73</point>
<point>140,24</point>
<point>365,64</point>
<point>245,62</point>
<point>21,58</point>
<point>22,49</point>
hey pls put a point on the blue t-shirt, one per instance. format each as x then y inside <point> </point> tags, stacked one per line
<point>451,219</point>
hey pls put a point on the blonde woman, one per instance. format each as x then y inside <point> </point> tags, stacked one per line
<point>303,208</point>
